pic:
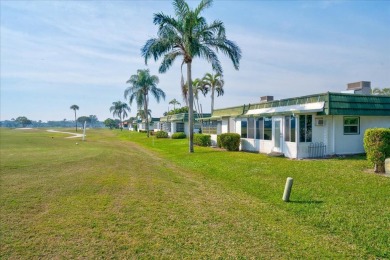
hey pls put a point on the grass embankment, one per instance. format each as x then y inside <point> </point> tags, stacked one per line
<point>110,197</point>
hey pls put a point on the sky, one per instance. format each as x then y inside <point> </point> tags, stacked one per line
<point>54,54</point>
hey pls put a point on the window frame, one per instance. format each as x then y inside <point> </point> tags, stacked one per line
<point>244,134</point>
<point>250,128</point>
<point>290,132</point>
<point>268,130</point>
<point>351,125</point>
<point>307,128</point>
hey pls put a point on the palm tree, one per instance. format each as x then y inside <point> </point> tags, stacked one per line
<point>141,84</point>
<point>174,102</point>
<point>75,107</point>
<point>381,92</point>
<point>188,36</point>
<point>141,113</point>
<point>120,109</point>
<point>198,86</point>
<point>214,83</point>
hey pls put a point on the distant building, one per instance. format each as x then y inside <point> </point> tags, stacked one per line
<point>179,123</point>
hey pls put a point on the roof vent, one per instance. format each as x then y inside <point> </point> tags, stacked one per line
<point>266,99</point>
<point>361,87</point>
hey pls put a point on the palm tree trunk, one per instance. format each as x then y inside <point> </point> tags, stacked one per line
<point>190,108</point>
<point>121,122</point>
<point>212,99</point>
<point>75,118</point>
<point>146,114</point>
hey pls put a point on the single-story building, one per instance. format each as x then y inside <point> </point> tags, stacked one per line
<point>304,127</point>
<point>179,123</point>
<point>154,123</point>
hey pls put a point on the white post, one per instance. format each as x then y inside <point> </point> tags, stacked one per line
<point>287,189</point>
<point>85,124</point>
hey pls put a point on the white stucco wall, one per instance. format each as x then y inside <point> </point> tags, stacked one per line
<point>290,149</point>
<point>225,126</point>
<point>265,146</point>
<point>213,140</point>
<point>237,126</point>
<point>351,144</point>
<point>251,145</point>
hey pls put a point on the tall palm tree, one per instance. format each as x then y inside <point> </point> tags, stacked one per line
<point>174,102</point>
<point>214,82</point>
<point>141,84</point>
<point>188,36</point>
<point>120,109</point>
<point>75,107</point>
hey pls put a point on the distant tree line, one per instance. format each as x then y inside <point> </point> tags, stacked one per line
<point>22,121</point>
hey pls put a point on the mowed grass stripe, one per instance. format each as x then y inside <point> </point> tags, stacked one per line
<point>336,197</point>
<point>108,197</point>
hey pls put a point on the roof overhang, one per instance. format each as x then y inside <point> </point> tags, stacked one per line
<point>293,109</point>
<point>212,118</point>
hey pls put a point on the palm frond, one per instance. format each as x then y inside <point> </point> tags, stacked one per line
<point>227,47</point>
<point>203,5</point>
<point>181,8</point>
<point>168,60</point>
<point>211,56</point>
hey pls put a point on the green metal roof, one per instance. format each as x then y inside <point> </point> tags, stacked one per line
<point>289,101</point>
<point>335,104</point>
<point>182,117</point>
<point>354,104</point>
<point>230,111</point>
<point>154,119</point>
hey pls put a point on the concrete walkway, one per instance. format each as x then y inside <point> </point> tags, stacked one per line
<point>74,135</point>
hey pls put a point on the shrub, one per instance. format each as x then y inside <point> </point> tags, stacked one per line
<point>229,141</point>
<point>377,147</point>
<point>202,140</point>
<point>161,134</point>
<point>219,141</point>
<point>179,135</point>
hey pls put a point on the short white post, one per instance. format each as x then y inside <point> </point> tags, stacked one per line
<point>85,124</point>
<point>287,189</point>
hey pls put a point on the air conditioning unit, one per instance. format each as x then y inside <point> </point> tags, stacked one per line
<point>319,121</point>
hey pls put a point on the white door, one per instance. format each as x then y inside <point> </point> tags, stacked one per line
<point>278,136</point>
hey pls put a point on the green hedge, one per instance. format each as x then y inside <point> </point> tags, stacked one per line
<point>377,146</point>
<point>161,134</point>
<point>151,132</point>
<point>179,135</point>
<point>202,140</point>
<point>229,141</point>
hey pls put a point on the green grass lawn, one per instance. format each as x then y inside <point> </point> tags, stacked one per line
<point>122,195</point>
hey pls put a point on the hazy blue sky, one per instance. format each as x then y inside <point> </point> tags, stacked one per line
<point>58,53</point>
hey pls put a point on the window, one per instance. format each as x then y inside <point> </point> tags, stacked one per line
<point>251,128</point>
<point>305,128</point>
<point>351,125</point>
<point>167,127</point>
<point>260,128</point>
<point>244,126</point>
<point>264,128</point>
<point>289,125</point>
<point>267,128</point>
<point>209,127</point>
<point>179,127</point>
<point>319,121</point>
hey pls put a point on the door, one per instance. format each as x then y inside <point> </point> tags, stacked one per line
<point>278,136</point>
